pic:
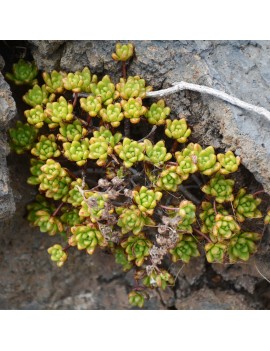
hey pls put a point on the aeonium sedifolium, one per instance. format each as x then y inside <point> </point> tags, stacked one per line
<point>115,173</point>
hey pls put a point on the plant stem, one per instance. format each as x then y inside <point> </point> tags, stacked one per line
<point>258,192</point>
<point>174,147</point>
<point>170,208</point>
<point>66,248</point>
<point>75,97</point>
<point>202,234</point>
<point>58,209</point>
<point>151,132</point>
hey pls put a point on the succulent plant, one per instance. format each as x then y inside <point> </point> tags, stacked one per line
<point>132,87</point>
<point>91,104</point>
<point>156,154</point>
<point>137,248</point>
<point>77,151</point>
<point>130,151</point>
<point>177,129</point>
<point>133,109</point>
<point>46,148</point>
<point>58,255</point>
<point>185,249</point>
<point>169,179</point>
<point>35,170</point>
<point>229,162</point>
<point>99,149</point>
<point>136,299</point>
<point>86,237</point>
<point>79,81</point>
<point>121,258</point>
<point>23,72</point>
<point>70,217</point>
<point>158,113</point>
<point>47,223</point>
<point>123,52</point>
<point>186,165</point>
<point>56,188</point>
<point>242,246</point>
<point>224,227</point>
<point>159,279</point>
<point>105,89</point>
<point>93,205</point>
<point>208,216</point>
<point>187,213</point>
<point>22,137</point>
<point>72,131</point>
<point>35,116</point>
<point>146,199</point>
<point>75,198</point>
<point>40,203</point>
<point>220,188</point>
<point>215,252</point>
<point>54,81</point>
<point>111,139</point>
<point>37,96</point>
<point>58,112</point>
<point>267,218</point>
<point>112,114</point>
<point>133,220</point>
<point>207,161</point>
<point>246,206</point>
<point>51,170</point>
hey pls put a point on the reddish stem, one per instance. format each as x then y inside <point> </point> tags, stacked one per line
<point>66,248</point>
<point>174,147</point>
<point>169,208</point>
<point>258,192</point>
<point>75,95</point>
<point>202,234</point>
<point>57,210</point>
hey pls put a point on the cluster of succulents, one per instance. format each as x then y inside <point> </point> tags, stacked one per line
<point>102,188</point>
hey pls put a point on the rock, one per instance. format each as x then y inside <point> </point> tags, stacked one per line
<point>207,299</point>
<point>7,112</point>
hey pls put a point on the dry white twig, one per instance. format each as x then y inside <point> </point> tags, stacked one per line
<point>178,86</point>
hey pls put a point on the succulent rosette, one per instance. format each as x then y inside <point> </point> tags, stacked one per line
<point>187,213</point>
<point>51,170</point>
<point>47,223</point>
<point>37,96</point>
<point>208,216</point>
<point>56,188</point>
<point>137,248</point>
<point>156,154</point>
<point>70,217</point>
<point>215,252</point>
<point>160,279</point>
<point>93,206</point>
<point>105,89</point>
<point>242,246</point>
<point>46,148</point>
<point>220,188</point>
<point>91,104</point>
<point>77,151</point>
<point>169,179</point>
<point>35,170</point>
<point>177,129</point>
<point>123,52</point>
<point>110,138</point>
<point>186,165</point>
<point>136,299</point>
<point>58,112</point>
<point>22,137</point>
<point>133,87</point>
<point>75,197</point>
<point>224,227</point>
<point>79,81</point>
<point>158,113</point>
<point>36,116</point>
<point>133,109</point>
<point>54,81</point>
<point>58,255</point>
<point>246,206</point>
<point>86,237</point>
<point>146,199</point>
<point>207,161</point>
<point>185,249</point>
<point>72,131</point>
<point>133,220</point>
<point>99,149</point>
<point>130,151</point>
<point>229,162</point>
<point>23,72</point>
<point>121,258</point>
<point>112,114</point>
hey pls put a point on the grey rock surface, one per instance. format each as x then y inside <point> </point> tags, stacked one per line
<point>241,68</point>
<point>7,112</point>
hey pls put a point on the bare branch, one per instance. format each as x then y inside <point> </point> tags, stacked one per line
<point>179,86</point>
